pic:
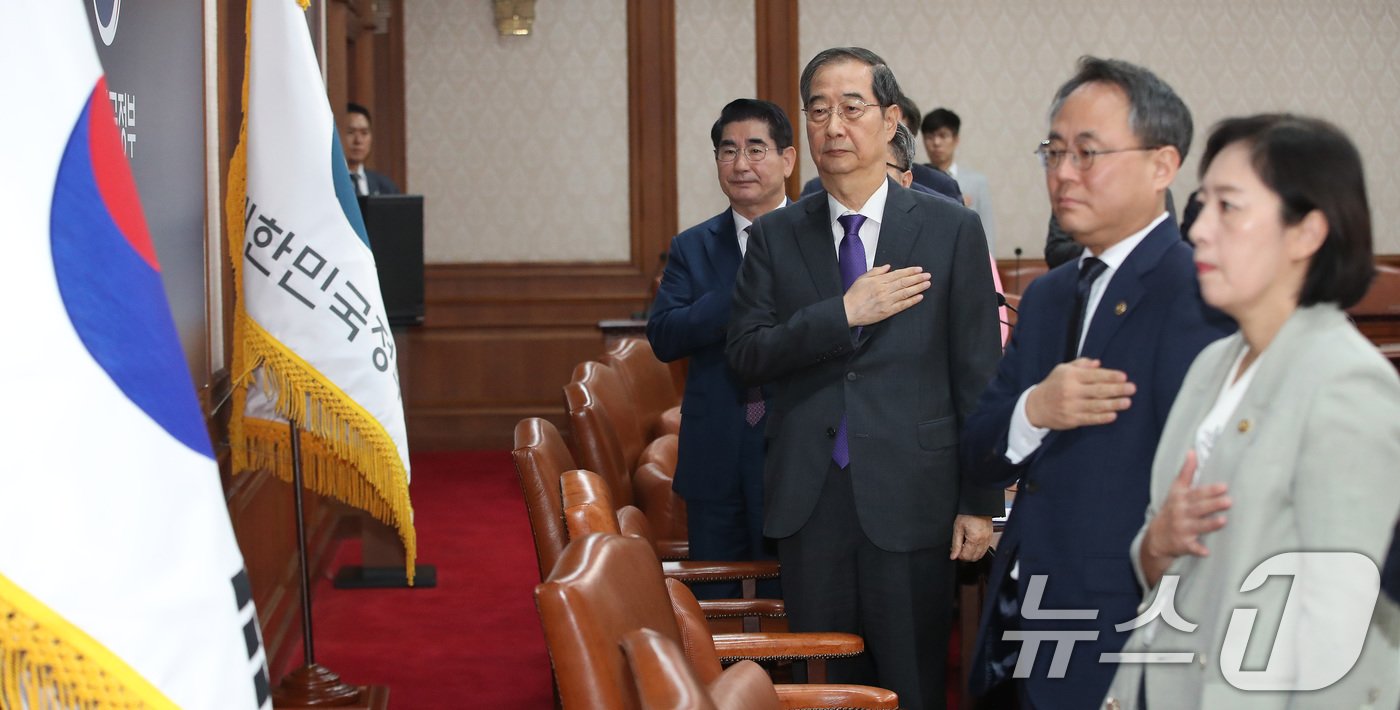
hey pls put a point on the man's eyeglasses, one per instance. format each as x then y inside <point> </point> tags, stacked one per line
<point>850,109</point>
<point>1082,159</point>
<point>897,167</point>
<point>728,154</point>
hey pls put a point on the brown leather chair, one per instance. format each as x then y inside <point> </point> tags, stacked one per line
<point>605,586</point>
<point>588,509</point>
<point>609,442</point>
<point>541,457</point>
<point>665,681</point>
<point>650,383</point>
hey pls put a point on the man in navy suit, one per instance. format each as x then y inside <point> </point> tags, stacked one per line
<point>719,471</point>
<point>1080,398</point>
<point>359,139</point>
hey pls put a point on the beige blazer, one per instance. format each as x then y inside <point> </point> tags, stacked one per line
<point>1312,459</point>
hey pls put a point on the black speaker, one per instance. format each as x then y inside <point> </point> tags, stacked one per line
<point>395,227</point>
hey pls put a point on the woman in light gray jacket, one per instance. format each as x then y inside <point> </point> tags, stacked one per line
<point>1277,477</point>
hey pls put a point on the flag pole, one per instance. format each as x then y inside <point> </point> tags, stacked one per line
<point>313,684</point>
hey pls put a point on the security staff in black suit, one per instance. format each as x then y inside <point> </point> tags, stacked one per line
<point>870,312</point>
<point>359,138</point>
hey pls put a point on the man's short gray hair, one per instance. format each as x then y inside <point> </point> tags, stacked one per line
<point>902,145</point>
<point>882,82</point>
<point>1157,116</point>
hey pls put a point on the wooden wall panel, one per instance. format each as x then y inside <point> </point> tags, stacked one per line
<point>500,341</point>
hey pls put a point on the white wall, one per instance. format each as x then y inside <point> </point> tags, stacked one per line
<point>519,144</point>
<point>715,59</point>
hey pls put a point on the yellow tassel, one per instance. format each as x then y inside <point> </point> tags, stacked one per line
<point>46,662</point>
<point>348,455</point>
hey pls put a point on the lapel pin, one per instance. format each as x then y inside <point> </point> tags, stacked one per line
<point>1243,426</point>
<point>1121,308</point>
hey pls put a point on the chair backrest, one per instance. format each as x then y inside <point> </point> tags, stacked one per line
<point>603,587</point>
<point>606,431</point>
<point>663,451</point>
<point>541,457</point>
<point>665,680</point>
<point>649,381</point>
<point>588,507</point>
<point>695,631</point>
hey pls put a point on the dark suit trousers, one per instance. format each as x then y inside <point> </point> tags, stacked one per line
<point>732,528</point>
<point>835,579</point>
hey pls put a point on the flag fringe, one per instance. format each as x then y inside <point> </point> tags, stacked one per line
<point>47,662</point>
<point>349,457</point>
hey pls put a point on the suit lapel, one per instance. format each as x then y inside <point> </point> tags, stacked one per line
<point>897,233</point>
<point>1126,290</point>
<point>816,243</point>
<point>722,247</point>
<point>1257,404</point>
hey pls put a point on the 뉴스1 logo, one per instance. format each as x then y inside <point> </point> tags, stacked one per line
<point>107,28</point>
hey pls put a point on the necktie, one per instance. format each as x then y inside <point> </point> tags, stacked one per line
<point>852,257</point>
<point>1089,271</point>
<point>355,178</point>
<point>753,397</point>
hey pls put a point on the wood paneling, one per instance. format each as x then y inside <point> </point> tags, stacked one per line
<point>777,71</point>
<point>500,341</point>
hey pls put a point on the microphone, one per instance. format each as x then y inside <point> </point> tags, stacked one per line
<point>1017,252</point>
<point>1002,303</point>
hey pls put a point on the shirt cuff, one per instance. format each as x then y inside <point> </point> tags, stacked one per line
<point>1023,438</point>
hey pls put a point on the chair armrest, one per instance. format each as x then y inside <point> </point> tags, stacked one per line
<point>672,550</point>
<point>787,646</point>
<point>692,571</point>
<point>740,608</point>
<point>865,697</point>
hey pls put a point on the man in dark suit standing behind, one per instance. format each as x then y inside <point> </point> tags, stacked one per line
<point>874,358</point>
<point>719,470</point>
<point>1098,353</point>
<point>359,139</point>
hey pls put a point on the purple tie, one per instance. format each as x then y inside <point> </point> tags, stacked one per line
<point>852,266</point>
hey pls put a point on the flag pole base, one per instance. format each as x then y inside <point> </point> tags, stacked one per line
<point>364,577</point>
<point>314,686</point>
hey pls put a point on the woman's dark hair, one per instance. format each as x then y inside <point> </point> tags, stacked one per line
<point>1311,165</point>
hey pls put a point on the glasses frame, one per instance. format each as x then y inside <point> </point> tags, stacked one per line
<point>762,149</point>
<point>821,120</point>
<point>896,167</point>
<point>1082,159</point>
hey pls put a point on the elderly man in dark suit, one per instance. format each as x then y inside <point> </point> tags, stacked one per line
<point>870,311</point>
<point>719,471</point>
<point>1079,401</point>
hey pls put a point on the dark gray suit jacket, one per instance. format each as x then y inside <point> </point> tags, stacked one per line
<point>381,184</point>
<point>905,383</point>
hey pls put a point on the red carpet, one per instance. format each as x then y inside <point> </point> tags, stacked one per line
<point>475,639</point>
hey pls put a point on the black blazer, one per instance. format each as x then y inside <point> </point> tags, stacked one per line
<point>380,184</point>
<point>906,383</point>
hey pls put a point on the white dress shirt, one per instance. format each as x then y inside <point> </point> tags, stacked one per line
<point>874,211</point>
